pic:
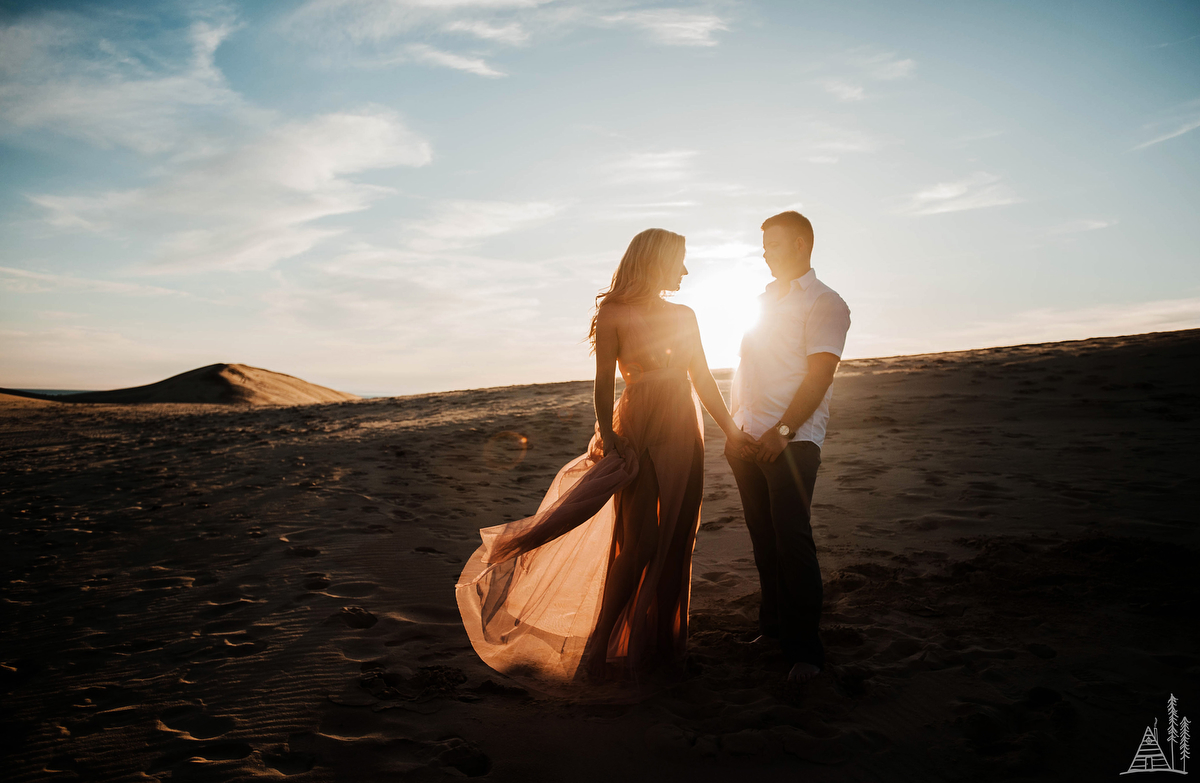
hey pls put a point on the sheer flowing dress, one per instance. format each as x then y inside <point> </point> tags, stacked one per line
<point>595,585</point>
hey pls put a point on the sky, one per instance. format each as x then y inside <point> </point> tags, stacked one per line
<point>402,196</point>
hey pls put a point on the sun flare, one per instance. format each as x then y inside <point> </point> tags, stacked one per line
<point>725,298</point>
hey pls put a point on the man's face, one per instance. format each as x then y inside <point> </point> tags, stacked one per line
<point>781,251</point>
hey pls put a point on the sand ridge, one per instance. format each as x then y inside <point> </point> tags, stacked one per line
<point>226,384</point>
<point>209,592</point>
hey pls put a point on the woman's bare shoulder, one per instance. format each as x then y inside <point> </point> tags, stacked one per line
<point>683,310</point>
<point>610,313</point>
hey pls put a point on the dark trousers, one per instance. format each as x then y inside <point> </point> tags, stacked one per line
<point>776,500</point>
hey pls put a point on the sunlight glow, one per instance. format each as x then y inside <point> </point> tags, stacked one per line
<point>724,295</point>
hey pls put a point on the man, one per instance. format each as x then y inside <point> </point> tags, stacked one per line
<point>781,393</point>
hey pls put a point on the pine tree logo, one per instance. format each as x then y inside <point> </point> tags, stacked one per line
<point>1150,756</point>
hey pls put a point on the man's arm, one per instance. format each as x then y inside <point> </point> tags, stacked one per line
<point>821,367</point>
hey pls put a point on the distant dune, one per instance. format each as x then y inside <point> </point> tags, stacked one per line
<point>233,384</point>
<point>23,398</point>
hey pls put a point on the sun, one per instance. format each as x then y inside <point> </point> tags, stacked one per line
<point>725,297</point>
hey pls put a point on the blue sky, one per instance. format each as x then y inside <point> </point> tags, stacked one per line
<point>392,196</point>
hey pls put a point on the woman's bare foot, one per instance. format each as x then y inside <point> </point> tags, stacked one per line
<point>803,672</point>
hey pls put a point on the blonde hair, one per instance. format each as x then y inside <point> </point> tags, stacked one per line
<point>641,274</point>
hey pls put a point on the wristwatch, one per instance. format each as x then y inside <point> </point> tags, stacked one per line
<point>783,430</point>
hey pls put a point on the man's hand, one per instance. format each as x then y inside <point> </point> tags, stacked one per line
<point>770,446</point>
<point>741,445</point>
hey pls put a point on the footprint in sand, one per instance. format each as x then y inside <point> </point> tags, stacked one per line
<point>316,581</point>
<point>352,617</point>
<point>195,722</point>
<point>287,763</point>
<point>196,754</point>
<point>717,524</point>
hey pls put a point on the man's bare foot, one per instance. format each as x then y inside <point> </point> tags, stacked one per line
<point>803,672</point>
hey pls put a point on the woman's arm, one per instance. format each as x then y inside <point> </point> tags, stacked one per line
<point>706,385</point>
<point>607,346</point>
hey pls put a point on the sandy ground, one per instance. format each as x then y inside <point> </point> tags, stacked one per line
<point>1008,538</point>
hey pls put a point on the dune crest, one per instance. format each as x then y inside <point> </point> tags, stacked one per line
<point>236,384</point>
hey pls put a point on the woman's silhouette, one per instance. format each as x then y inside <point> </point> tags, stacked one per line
<point>595,585</point>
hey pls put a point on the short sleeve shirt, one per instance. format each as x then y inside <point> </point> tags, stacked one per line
<point>810,318</point>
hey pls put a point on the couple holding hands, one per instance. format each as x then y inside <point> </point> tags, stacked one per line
<point>594,587</point>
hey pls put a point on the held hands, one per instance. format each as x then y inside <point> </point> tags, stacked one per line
<point>741,445</point>
<point>770,445</point>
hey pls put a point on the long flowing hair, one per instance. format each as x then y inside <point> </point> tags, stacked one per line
<point>640,275</point>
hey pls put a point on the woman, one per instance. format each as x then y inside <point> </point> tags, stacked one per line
<point>595,585</point>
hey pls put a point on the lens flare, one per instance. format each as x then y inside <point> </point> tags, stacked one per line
<point>505,450</point>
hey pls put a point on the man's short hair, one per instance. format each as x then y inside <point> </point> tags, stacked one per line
<point>794,222</point>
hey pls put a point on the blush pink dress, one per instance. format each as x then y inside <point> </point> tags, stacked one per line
<point>595,586</point>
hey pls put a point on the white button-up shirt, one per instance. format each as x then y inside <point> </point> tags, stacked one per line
<point>810,318</point>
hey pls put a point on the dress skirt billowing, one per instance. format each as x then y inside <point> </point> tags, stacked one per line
<point>595,585</point>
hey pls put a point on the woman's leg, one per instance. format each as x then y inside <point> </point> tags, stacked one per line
<point>674,590</point>
<point>635,540</point>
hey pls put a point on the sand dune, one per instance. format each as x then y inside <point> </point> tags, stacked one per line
<point>217,383</point>
<point>1008,539</point>
<point>24,398</point>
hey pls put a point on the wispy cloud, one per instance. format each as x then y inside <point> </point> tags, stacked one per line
<point>375,33</point>
<point>381,20</point>
<point>1175,43</point>
<point>978,191</point>
<point>858,67</point>
<point>512,33</point>
<point>230,185</point>
<point>674,26</point>
<point>424,53</point>
<point>1080,226</point>
<point>70,75</point>
<point>28,282</point>
<point>843,91</point>
<point>252,206</point>
<point>831,138</point>
<point>883,66</point>
<point>642,210</point>
<point>971,138</point>
<point>463,223</point>
<point>825,143</point>
<point>1184,118</point>
<point>669,166</point>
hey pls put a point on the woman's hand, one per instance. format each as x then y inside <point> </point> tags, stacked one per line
<point>612,444</point>
<point>739,444</point>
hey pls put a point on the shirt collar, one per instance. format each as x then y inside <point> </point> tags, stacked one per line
<point>802,282</point>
